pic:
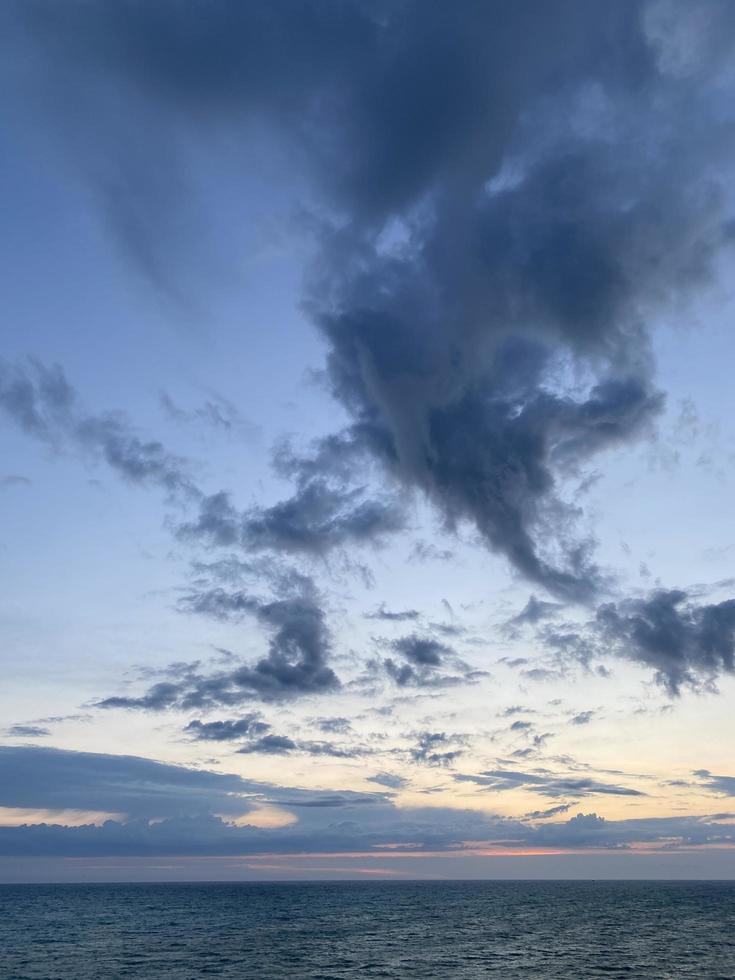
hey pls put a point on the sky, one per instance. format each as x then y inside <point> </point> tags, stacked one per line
<point>367,431</point>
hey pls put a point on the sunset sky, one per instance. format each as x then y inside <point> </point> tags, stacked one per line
<point>368,439</point>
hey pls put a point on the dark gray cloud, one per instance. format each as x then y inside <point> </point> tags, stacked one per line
<point>552,811</point>
<point>32,777</point>
<point>296,663</point>
<point>545,783</point>
<point>40,400</point>
<point>334,726</point>
<point>718,784</point>
<point>406,675</point>
<point>686,643</point>
<point>49,778</point>
<point>27,731</point>
<point>370,827</point>
<point>421,651</point>
<point>424,662</point>
<point>317,518</point>
<point>393,616</point>
<point>226,731</point>
<point>282,744</point>
<point>320,517</point>
<point>431,749</point>
<point>582,718</point>
<point>158,697</point>
<point>521,726</point>
<point>683,642</point>
<point>389,779</point>
<point>173,810</point>
<point>532,613</point>
<point>506,193</point>
<point>270,745</point>
<point>517,709</point>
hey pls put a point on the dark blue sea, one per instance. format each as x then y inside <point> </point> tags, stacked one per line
<point>570,930</point>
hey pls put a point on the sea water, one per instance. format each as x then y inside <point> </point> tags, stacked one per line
<point>570,930</point>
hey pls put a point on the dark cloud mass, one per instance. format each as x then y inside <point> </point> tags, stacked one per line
<point>52,779</point>
<point>166,809</point>
<point>686,643</point>
<point>270,744</point>
<point>423,661</point>
<point>296,663</point>
<point>432,749</point>
<point>506,194</point>
<point>317,518</point>
<point>226,731</point>
<point>421,651</point>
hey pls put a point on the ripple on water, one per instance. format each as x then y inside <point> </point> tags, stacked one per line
<point>340,931</point>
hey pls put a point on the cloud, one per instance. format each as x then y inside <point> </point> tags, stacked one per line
<point>370,828</point>
<point>40,778</point>
<point>393,616</point>
<point>339,726</point>
<point>13,480</point>
<point>431,749</point>
<point>226,731</point>
<point>521,726</point>
<point>317,518</point>
<point>391,780</point>
<point>282,744</point>
<point>216,413</point>
<point>424,663</point>
<point>41,402</point>
<point>425,551</point>
<point>296,663</point>
<point>517,709</point>
<point>27,731</point>
<point>582,718</point>
<point>552,811</point>
<point>532,613</point>
<point>545,783</point>
<point>270,744</point>
<point>717,784</point>
<point>685,643</point>
<point>492,242</point>
<point>421,651</point>
<point>176,810</point>
<point>49,778</point>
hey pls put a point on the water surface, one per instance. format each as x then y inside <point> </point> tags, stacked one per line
<point>339,930</point>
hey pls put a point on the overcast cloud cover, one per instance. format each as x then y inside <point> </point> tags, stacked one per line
<point>366,402</point>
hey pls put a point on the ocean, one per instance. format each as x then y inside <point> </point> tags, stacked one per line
<point>571,930</point>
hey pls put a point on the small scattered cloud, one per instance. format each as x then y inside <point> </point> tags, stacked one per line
<point>27,731</point>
